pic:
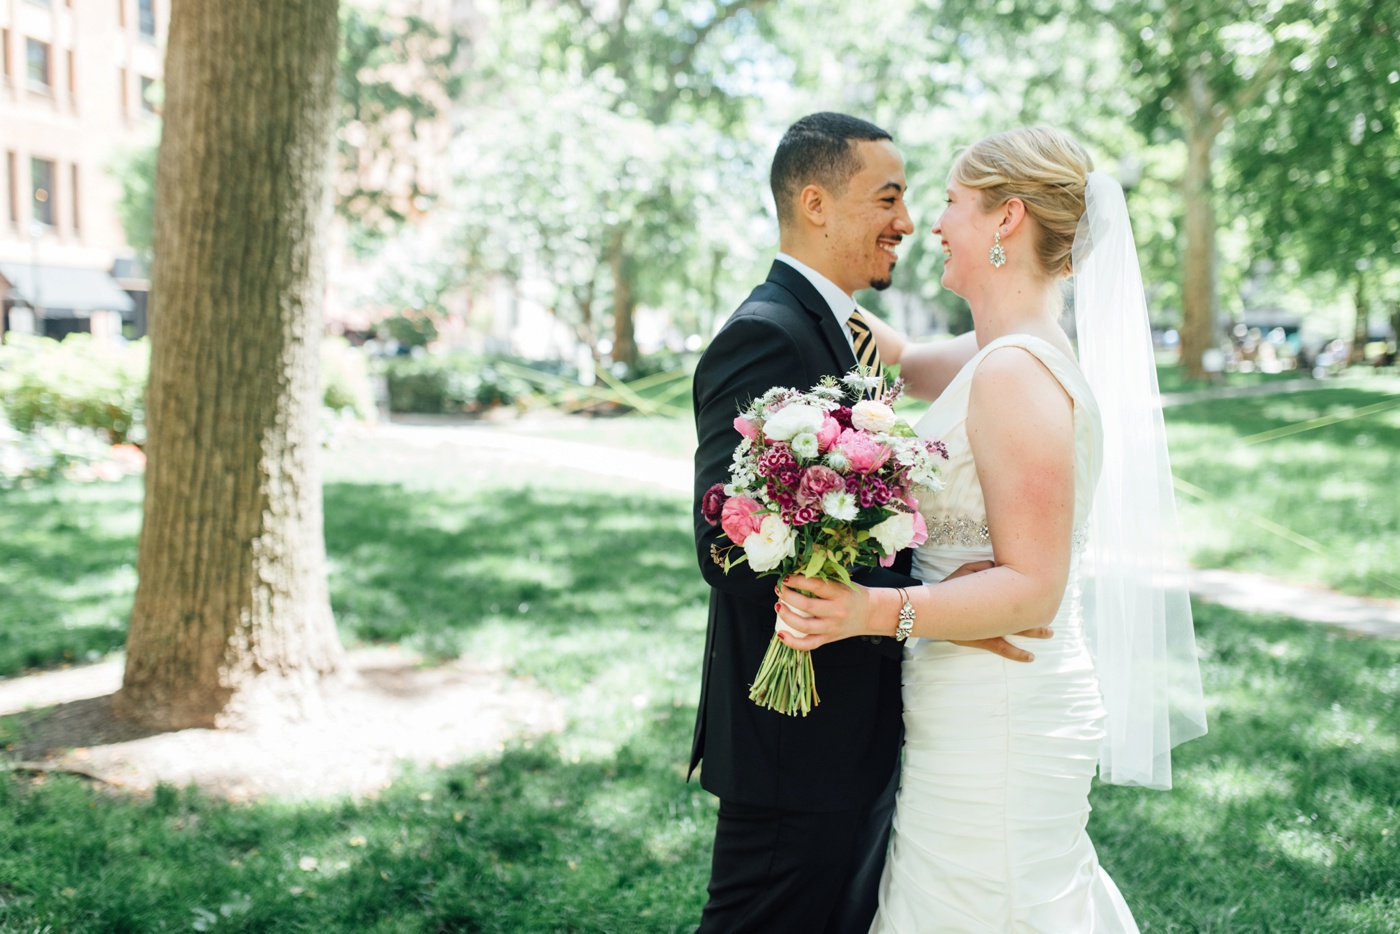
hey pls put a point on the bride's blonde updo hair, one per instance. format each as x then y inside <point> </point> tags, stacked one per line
<point>1045,169</point>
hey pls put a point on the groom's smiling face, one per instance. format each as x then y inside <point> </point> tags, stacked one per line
<point>868,221</point>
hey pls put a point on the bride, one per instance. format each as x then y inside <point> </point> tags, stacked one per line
<point>1058,473</point>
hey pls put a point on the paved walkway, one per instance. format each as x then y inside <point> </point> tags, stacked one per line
<point>1253,593</point>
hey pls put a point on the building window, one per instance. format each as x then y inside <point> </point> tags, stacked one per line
<point>72,76</point>
<point>41,175</point>
<point>146,13</point>
<point>147,89</point>
<point>73,198</point>
<point>122,86</point>
<point>40,77</point>
<point>7,72</point>
<point>12,174</point>
<point>121,13</point>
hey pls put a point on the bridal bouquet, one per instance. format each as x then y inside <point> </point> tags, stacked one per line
<point>822,481</point>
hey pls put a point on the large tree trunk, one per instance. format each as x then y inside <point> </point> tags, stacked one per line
<point>1363,323</point>
<point>1198,299</point>
<point>232,619</point>
<point>624,302</point>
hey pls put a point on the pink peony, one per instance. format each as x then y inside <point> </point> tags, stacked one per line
<point>816,482</point>
<point>920,530</point>
<point>746,427</point>
<point>864,453</point>
<point>828,434</point>
<point>739,518</point>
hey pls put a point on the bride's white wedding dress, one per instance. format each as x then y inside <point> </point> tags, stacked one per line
<point>989,830</point>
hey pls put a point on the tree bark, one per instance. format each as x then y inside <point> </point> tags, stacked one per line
<point>1363,323</point>
<point>232,620</point>
<point>1198,298</point>
<point>624,348</point>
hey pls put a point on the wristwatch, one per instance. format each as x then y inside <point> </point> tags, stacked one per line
<point>906,617</point>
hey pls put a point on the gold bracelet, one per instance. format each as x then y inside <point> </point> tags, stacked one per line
<point>906,617</point>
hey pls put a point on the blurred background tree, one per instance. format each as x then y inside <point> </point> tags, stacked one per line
<point>601,158</point>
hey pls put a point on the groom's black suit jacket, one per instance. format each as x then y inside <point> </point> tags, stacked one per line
<point>843,753</point>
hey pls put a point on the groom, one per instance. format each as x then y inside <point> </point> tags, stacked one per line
<point>805,802</point>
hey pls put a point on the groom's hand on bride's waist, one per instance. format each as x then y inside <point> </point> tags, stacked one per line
<point>997,645</point>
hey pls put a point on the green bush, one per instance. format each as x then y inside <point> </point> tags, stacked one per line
<point>450,384</point>
<point>78,382</point>
<point>345,380</point>
<point>82,383</point>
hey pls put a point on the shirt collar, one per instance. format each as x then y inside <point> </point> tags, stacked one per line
<point>840,303</point>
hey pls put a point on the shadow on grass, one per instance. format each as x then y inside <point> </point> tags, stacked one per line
<point>1256,414</point>
<point>528,843</point>
<point>594,594</point>
<point>432,567</point>
<point>1333,485</point>
<point>428,567</point>
<point>1284,817</point>
<point>67,572</point>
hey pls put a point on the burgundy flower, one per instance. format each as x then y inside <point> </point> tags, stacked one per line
<point>712,503</point>
<point>775,459</point>
<point>842,415</point>
<point>937,447</point>
<point>804,514</point>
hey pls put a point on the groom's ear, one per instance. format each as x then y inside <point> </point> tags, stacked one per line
<point>812,203</point>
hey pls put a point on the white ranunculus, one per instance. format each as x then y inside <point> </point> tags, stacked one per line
<point>793,420</point>
<point>869,415</point>
<point>773,542</point>
<point>805,445</point>
<point>895,533</point>
<point>840,505</point>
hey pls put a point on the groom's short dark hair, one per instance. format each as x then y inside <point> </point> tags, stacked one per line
<point>818,148</point>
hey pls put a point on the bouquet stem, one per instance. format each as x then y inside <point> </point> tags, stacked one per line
<point>785,681</point>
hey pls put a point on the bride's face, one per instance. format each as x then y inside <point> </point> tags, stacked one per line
<point>966,233</point>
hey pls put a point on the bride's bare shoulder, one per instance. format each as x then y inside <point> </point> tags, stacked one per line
<point>1012,379</point>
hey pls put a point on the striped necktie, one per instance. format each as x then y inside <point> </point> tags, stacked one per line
<point>867,354</point>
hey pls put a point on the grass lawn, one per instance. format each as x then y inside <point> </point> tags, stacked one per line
<point>1301,486</point>
<point>1171,377</point>
<point>1285,818</point>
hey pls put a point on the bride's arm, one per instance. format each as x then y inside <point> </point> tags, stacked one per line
<point>928,366</point>
<point>1021,428</point>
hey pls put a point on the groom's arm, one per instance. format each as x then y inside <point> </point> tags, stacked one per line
<point>749,356</point>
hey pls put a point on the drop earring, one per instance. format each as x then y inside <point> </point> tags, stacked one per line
<point>998,255</point>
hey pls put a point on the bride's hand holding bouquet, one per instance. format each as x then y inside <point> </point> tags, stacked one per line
<point>822,482</point>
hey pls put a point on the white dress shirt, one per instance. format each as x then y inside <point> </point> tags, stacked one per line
<point>838,301</point>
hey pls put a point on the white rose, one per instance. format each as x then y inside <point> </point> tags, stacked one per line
<point>773,542</point>
<point>792,420</point>
<point>869,415</point>
<point>837,461</point>
<point>840,505</point>
<point>894,534</point>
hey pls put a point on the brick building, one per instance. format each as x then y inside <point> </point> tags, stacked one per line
<point>79,81</point>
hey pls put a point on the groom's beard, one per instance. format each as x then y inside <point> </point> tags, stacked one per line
<point>880,285</point>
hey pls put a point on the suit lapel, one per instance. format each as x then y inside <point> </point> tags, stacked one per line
<point>796,284</point>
